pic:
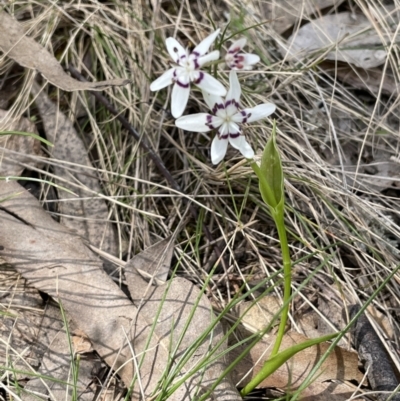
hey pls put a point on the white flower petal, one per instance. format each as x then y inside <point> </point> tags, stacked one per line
<point>259,112</point>
<point>218,149</point>
<point>175,49</point>
<point>240,117</point>
<point>204,45</point>
<point>228,130</point>
<point>200,122</point>
<point>213,101</point>
<point>234,89</point>
<point>163,80</point>
<point>242,145</point>
<point>209,84</point>
<point>223,131</point>
<point>250,59</point>
<point>235,47</point>
<point>179,99</point>
<point>208,57</point>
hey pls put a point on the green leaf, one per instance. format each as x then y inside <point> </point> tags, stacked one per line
<point>278,360</point>
<point>271,169</point>
<point>27,134</point>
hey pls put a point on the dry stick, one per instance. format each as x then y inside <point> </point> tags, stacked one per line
<point>153,155</point>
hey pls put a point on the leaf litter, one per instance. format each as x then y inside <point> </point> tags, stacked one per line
<point>17,151</point>
<point>25,51</point>
<point>317,394</point>
<point>340,367</point>
<point>83,209</point>
<point>343,37</point>
<point>56,262</point>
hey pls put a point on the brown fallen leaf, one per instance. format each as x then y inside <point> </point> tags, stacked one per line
<point>153,263</point>
<point>56,363</point>
<point>33,340</point>
<point>178,299</point>
<point>58,263</point>
<point>16,149</point>
<point>20,323</point>
<point>350,38</point>
<point>88,214</point>
<point>172,304</point>
<point>81,342</point>
<point>372,80</point>
<point>340,366</point>
<point>285,13</point>
<point>30,54</point>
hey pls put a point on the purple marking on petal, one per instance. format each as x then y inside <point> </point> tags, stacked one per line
<point>234,135</point>
<point>200,78</point>
<point>217,106</point>
<point>196,54</point>
<point>245,116</point>
<point>209,122</point>
<point>181,84</point>
<point>233,102</point>
<point>223,136</point>
<point>235,50</point>
<point>196,64</point>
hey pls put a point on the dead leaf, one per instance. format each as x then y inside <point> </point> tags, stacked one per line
<point>172,318</point>
<point>88,214</point>
<point>16,149</point>
<point>383,321</point>
<point>81,342</point>
<point>22,315</point>
<point>32,338</point>
<point>373,80</point>
<point>56,363</point>
<point>153,263</point>
<point>350,38</point>
<point>340,366</point>
<point>285,13</point>
<point>260,314</point>
<point>173,303</point>
<point>57,262</point>
<point>30,54</point>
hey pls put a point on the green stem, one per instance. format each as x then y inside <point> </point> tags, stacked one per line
<point>277,213</point>
<point>287,275</point>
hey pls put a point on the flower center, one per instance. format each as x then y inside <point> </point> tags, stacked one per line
<point>189,66</point>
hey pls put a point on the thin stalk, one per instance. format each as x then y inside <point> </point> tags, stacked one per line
<point>278,213</point>
<point>277,209</point>
<point>287,277</point>
<point>265,371</point>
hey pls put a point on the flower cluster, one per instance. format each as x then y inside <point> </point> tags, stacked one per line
<point>226,113</point>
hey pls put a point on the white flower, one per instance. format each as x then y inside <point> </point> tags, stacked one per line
<point>187,71</point>
<point>240,61</point>
<point>226,116</point>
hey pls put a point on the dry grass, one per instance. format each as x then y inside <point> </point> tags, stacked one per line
<point>330,136</point>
